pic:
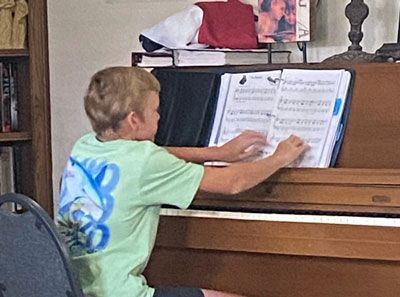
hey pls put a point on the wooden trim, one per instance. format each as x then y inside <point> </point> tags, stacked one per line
<point>40,104</point>
<point>345,176</point>
<point>284,238</point>
<point>309,197</point>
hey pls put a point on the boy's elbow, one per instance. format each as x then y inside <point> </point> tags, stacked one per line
<point>234,189</point>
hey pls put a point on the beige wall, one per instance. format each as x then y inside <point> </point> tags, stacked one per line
<point>87,35</point>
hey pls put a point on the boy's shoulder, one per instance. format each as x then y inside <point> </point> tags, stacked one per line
<point>141,144</point>
<point>90,140</point>
<point>85,138</point>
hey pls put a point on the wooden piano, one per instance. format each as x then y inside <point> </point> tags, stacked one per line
<point>303,232</point>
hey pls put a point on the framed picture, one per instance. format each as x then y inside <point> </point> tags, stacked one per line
<point>283,21</point>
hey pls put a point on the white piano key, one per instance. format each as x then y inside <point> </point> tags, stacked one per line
<point>321,219</point>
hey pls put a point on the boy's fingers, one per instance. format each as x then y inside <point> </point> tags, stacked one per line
<point>303,147</point>
<point>251,151</point>
<point>297,141</point>
<point>254,134</point>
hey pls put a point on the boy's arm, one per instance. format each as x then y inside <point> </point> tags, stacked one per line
<point>239,177</point>
<point>247,144</point>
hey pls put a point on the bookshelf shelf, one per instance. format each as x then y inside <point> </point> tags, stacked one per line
<point>4,53</point>
<point>15,136</point>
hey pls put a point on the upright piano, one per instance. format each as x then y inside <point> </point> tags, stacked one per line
<point>303,232</point>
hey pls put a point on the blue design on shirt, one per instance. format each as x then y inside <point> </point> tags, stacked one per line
<point>86,202</point>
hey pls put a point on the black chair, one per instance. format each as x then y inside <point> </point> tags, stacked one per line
<point>34,261</point>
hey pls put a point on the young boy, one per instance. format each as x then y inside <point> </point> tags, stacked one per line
<point>116,179</point>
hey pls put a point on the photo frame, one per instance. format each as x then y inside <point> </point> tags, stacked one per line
<point>284,21</point>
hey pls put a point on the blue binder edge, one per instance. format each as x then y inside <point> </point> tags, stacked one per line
<point>343,121</point>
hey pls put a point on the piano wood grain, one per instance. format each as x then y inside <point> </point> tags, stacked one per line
<point>261,258</point>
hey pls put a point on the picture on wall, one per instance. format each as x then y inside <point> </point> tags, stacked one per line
<point>283,21</point>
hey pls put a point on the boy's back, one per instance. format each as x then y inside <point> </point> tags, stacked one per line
<point>111,193</point>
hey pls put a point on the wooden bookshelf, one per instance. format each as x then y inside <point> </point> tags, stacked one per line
<point>14,53</point>
<point>15,136</point>
<point>32,140</point>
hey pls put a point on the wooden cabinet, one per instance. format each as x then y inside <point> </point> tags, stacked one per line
<point>31,141</point>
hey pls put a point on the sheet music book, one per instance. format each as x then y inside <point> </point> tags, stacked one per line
<point>312,104</point>
<point>153,59</point>
<point>207,57</point>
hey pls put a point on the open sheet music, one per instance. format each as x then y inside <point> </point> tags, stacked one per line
<point>307,103</point>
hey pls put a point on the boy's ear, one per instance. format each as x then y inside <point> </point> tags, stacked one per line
<point>134,120</point>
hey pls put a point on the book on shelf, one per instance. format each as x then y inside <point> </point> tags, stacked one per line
<point>8,98</point>
<point>221,57</point>
<point>208,57</point>
<point>2,67</point>
<point>7,179</point>
<point>283,21</point>
<point>310,103</point>
<point>5,100</point>
<point>13,97</point>
<point>152,59</point>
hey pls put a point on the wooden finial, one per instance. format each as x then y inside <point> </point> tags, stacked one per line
<point>356,11</point>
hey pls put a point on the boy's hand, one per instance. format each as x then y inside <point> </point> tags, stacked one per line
<point>290,149</point>
<point>247,144</point>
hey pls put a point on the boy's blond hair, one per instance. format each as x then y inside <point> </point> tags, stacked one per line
<point>116,91</point>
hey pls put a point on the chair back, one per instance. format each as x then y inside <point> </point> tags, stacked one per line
<point>34,261</point>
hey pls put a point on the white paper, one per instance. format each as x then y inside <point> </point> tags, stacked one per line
<point>245,103</point>
<point>304,108</point>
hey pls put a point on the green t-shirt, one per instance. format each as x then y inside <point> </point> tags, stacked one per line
<point>109,210</point>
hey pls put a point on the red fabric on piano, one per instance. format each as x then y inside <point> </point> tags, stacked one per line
<point>228,25</point>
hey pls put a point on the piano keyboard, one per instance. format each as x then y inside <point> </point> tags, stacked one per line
<point>320,219</point>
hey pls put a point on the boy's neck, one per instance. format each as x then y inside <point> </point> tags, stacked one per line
<point>111,135</point>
